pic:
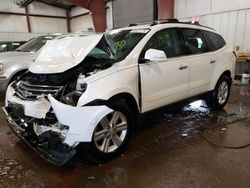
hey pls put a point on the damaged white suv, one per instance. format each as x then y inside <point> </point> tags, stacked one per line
<point>88,91</point>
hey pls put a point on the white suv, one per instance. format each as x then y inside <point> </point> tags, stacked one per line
<point>88,91</point>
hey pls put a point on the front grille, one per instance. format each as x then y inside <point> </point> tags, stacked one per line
<point>28,91</point>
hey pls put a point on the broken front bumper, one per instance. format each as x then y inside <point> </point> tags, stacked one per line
<point>55,140</point>
<point>48,145</point>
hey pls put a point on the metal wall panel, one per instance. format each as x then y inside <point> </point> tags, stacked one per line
<point>18,36</point>
<point>127,11</point>
<point>48,25</point>
<point>228,5</point>
<point>109,15</point>
<point>82,23</point>
<point>180,8</point>
<point>10,6</point>
<point>77,11</point>
<point>197,7</point>
<point>12,23</point>
<point>208,19</point>
<point>230,38</point>
<point>246,42</point>
<point>240,25</point>
<point>43,9</point>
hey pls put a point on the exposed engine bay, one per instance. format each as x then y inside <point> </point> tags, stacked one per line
<point>42,108</point>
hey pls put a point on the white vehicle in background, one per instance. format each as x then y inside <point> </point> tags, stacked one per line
<point>88,91</point>
<point>14,63</point>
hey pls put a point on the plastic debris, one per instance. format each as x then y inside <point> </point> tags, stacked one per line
<point>223,129</point>
<point>91,177</point>
<point>184,134</point>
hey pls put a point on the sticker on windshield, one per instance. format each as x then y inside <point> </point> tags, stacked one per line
<point>120,44</point>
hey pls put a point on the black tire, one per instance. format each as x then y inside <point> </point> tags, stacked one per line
<point>89,152</point>
<point>215,101</point>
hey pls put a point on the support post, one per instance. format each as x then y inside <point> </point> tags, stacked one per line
<point>28,18</point>
<point>165,9</point>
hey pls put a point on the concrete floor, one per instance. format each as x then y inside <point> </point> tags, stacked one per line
<point>161,155</point>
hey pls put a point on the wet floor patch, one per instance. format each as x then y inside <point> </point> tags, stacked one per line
<point>168,151</point>
<point>232,135</point>
<point>13,174</point>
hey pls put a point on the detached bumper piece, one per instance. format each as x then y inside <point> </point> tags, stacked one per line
<point>48,145</point>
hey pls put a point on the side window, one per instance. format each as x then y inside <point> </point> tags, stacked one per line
<point>167,40</point>
<point>195,41</point>
<point>214,40</point>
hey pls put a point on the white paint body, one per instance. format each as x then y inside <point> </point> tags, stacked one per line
<point>56,56</point>
<point>162,83</point>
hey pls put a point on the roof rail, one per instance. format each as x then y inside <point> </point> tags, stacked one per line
<point>164,21</point>
<point>155,22</point>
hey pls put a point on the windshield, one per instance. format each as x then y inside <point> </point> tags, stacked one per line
<point>34,44</point>
<point>122,42</point>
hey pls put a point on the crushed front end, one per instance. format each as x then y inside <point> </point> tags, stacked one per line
<point>47,117</point>
<point>42,105</point>
<point>31,118</point>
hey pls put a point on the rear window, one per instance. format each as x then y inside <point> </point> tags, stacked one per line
<point>195,41</point>
<point>214,40</point>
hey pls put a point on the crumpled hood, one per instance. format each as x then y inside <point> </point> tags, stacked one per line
<point>10,57</point>
<point>61,54</point>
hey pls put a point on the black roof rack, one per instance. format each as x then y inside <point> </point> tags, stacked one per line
<point>155,22</point>
<point>164,21</point>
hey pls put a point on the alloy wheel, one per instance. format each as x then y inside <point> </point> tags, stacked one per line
<point>111,132</point>
<point>223,92</point>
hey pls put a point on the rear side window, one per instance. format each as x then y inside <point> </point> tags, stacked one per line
<point>167,40</point>
<point>214,40</point>
<point>195,41</point>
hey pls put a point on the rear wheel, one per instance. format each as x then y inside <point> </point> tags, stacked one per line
<point>220,94</point>
<point>111,135</point>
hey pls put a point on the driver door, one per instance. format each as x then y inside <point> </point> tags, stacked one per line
<point>164,82</point>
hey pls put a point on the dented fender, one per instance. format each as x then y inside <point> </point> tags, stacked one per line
<point>80,120</point>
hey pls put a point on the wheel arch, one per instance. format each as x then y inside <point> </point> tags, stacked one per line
<point>15,74</point>
<point>129,99</point>
<point>225,73</point>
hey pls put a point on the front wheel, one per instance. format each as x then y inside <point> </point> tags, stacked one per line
<point>220,94</point>
<point>111,135</point>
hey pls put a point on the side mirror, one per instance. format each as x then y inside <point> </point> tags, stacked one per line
<point>155,55</point>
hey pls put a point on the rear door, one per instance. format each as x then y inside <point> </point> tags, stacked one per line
<point>165,82</point>
<point>201,62</point>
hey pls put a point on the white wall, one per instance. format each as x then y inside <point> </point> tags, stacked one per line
<point>109,15</point>
<point>18,24</point>
<point>81,23</point>
<point>229,17</point>
<point>14,24</point>
<point>48,25</point>
<point>18,36</point>
<point>77,11</point>
<point>11,23</point>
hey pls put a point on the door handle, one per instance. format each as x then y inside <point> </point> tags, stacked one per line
<point>212,61</point>
<point>182,67</point>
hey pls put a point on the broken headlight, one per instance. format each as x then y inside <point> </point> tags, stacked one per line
<point>72,97</point>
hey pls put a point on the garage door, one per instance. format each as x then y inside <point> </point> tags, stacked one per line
<point>131,11</point>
